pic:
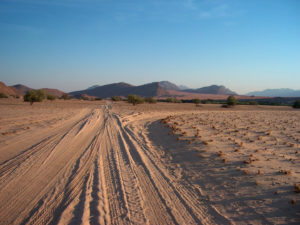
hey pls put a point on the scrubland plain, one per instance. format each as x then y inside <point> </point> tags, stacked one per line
<point>101,162</point>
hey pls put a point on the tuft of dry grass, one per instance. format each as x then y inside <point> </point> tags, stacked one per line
<point>246,172</point>
<point>286,172</point>
<point>205,142</point>
<point>220,154</point>
<point>297,188</point>
<point>247,161</point>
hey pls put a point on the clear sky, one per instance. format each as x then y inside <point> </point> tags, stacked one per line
<point>245,45</point>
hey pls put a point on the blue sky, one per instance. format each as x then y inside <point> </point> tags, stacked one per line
<point>72,44</point>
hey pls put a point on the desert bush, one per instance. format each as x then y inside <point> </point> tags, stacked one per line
<point>98,99</point>
<point>65,97</point>
<point>253,103</point>
<point>231,101</point>
<point>173,100</point>
<point>150,100</point>
<point>196,101</point>
<point>51,97</point>
<point>34,96</point>
<point>135,99</point>
<point>297,104</point>
<point>116,98</point>
<point>2,95</point>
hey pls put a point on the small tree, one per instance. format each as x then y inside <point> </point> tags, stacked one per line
<point>135,99</point>
<point>150,100</point>
<point>116,98</point>
<point>51,97</point>
<point>231,101</point>
<point>173,100</point>
<point>196,101</point>
<point>65,97</point>
<point>2,95</point>
<point>34,96</point>
<point>297,104</point>
<point>253,103</point>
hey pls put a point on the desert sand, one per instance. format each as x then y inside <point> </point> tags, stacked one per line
<point>101,162</point>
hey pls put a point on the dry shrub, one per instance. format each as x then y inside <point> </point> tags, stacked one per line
<point>246,172</point>
<point>220,154</point>
<point>247,161</point>
<point>285,172</point>
<point>297,188</point>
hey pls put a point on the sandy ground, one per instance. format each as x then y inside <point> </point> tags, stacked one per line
<point>80,162</point>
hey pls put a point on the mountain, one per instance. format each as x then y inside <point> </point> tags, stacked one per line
<point>283,92</point>
<point>6,89</point>
<point>52,91</point>
<point>183,87</point>
<point>213,89</point>
<point>169,86</point>
<point>92,87</point>
<point>122,89</point>
<point>21,89</point>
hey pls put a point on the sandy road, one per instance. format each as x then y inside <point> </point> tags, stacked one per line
<point>96,168</point>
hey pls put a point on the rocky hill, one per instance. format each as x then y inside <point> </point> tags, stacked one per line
<point>213,89</point>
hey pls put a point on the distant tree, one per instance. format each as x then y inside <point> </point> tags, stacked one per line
<point>135,99</point>
<point>297,104</point>
<point>231,101</point>
<point>116,98</point>
<point>196,101</point>
<point>150,100</point>
<point>253,103</point>
<point>173,100</point>
<point>51,97</point>
<point>35,96</point>
<point>65,97</point>
<point>207,101</point>
<point>2,95</point>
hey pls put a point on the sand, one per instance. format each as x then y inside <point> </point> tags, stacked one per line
<point>101,162</point>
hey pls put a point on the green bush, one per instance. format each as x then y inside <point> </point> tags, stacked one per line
<point>150,100</point>
<point>116,98</point>
<point>196,101</point>
<point>253,103</point>
<point>2,95</point>
<point>34,96</point>
<point>207,101</point>
<point>51,97</point>
<point>231,101</point>
<point>297,104</point>
<point>65,97</point>
<point>135,99</point>
<point>173,100</point>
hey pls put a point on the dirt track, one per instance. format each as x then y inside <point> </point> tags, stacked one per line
<point>94,169</point>
<point>106,163</point>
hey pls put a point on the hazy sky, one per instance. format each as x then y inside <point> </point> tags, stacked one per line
<point>72,44</point>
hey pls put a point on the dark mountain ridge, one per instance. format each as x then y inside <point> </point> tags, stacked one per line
<point>281,92</point>
<point>213,89</point>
